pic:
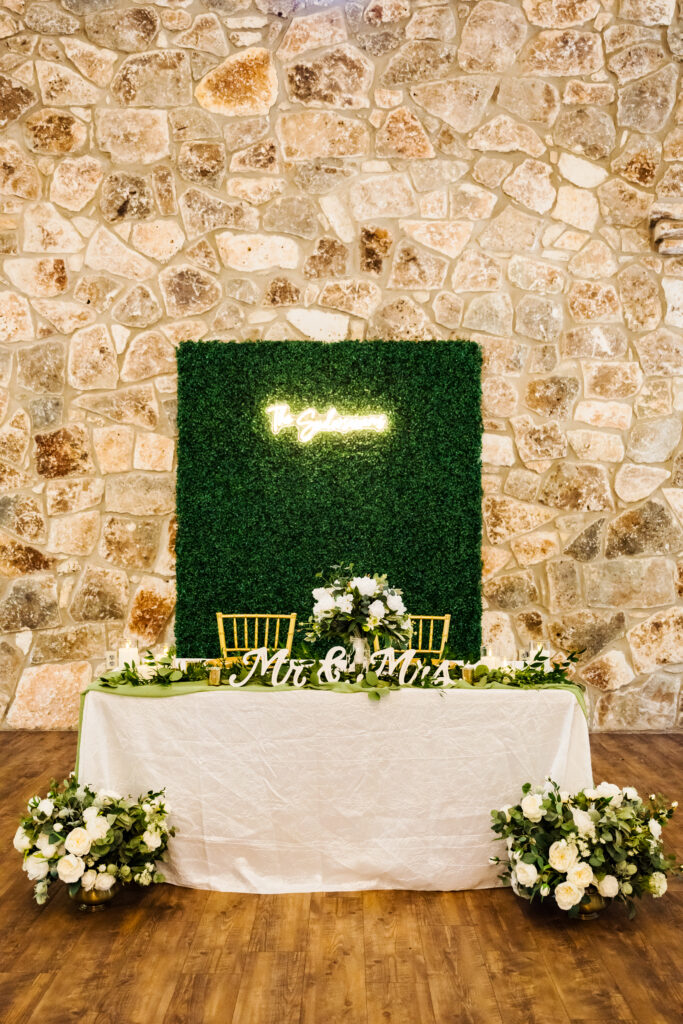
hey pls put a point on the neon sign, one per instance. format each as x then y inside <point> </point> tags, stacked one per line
<point>309,423</point>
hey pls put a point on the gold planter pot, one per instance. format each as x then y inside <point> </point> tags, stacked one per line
<point>92,900</point>
<point>591,906</point>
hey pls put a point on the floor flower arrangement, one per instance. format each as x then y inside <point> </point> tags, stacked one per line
<point>584,848</point>
<point>92,840</point>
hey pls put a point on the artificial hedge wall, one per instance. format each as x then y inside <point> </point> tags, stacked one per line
<point>259,515</point>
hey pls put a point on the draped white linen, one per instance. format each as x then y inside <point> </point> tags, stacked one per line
<point>321,791</point>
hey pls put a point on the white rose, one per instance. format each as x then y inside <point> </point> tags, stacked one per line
<point>532,806</point>
<point>47,848</point>
<point>567,895</point>
<point>365,585</point>
<point>91,812</point>
<point>562,855</point>
<point>608,789</point>
<point>608,886</point>
<point>97,827</point>
<point>152,840</point>
<point>21,841</point>
<point>395,603</point>
<point>545,890</point>
<point>36,867</point>
<point>655,827</point>
<point>70,868</point>
<point>325,604</point>
<point>564,796</point>
<point>78,842</point>
<point>630,793</point>
<point>104,882</point>
<point>320,593</point>
<point>88,880</point>
<point>583,821</point>
<point>45,807</point>
<point>345,603</point>
<point>107,796</point>
<point>657,884</point>
<point>526,873</point>
<point>377,609</point>
<point>581,875</point>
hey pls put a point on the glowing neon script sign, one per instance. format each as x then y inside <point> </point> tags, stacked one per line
<point>310,422</point>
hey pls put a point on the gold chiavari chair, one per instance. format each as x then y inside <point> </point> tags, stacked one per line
<point>247,632</point>
<point>430,633</point>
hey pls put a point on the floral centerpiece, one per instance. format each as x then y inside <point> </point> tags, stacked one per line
<point>599,844</point>
<point>353,610</point>
<point>91,840</point>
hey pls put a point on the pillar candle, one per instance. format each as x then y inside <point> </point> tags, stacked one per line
<point>128,656</point>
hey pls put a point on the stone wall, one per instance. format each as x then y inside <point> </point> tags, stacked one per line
<point>305,168</point>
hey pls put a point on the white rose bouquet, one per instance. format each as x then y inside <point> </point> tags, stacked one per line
<point>567,848</point>
<point>92,840</point>
<point>349,606</point>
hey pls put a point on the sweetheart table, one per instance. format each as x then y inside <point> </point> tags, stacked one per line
<point>312,790</point>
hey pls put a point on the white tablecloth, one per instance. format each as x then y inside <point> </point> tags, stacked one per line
<point>319,791</point>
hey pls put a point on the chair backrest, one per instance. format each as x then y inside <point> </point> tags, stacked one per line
<point>430,633</point>
<point>247,632</point>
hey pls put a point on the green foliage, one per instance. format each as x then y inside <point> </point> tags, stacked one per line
<point>259,515</point>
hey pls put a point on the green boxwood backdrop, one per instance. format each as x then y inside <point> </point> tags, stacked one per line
<point>259,515</point>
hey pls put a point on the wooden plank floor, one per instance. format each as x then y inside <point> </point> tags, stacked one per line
<point>181,956</point>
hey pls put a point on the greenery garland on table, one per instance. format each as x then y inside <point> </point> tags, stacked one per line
<point>165,672</point>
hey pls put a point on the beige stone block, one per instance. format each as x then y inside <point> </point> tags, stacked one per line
<point>244,84</point>
<point>459,102</point>
<point>154,452</point>
<point>42,277</point>
<point>576,206</point>
<point>158,239</point>
<point>92,359</point>
<point>257,252</point>
<point>497,632</point>
<point>48,696</point>
<point>563,53</point>
<point>630,583</point>
<point>611,380</point>
<point>633,483</point>
<point>491,37</point>
<point>650,706</point>
<point>133,136</point>
<point>108,253</point>
<point>497,450</point>
<point>658,640</point>
<point>507,517</point>
<point>113,448</point>
<point>493,559</point>
<point>617,415</point>
<point>140,494</point>
<point>608,672</point>
<point>535,547</point>
<point>153,602</point>
<point>74,535</point>
<point>94,62</point>
<point>324,28</point>
<point>595,446</point>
